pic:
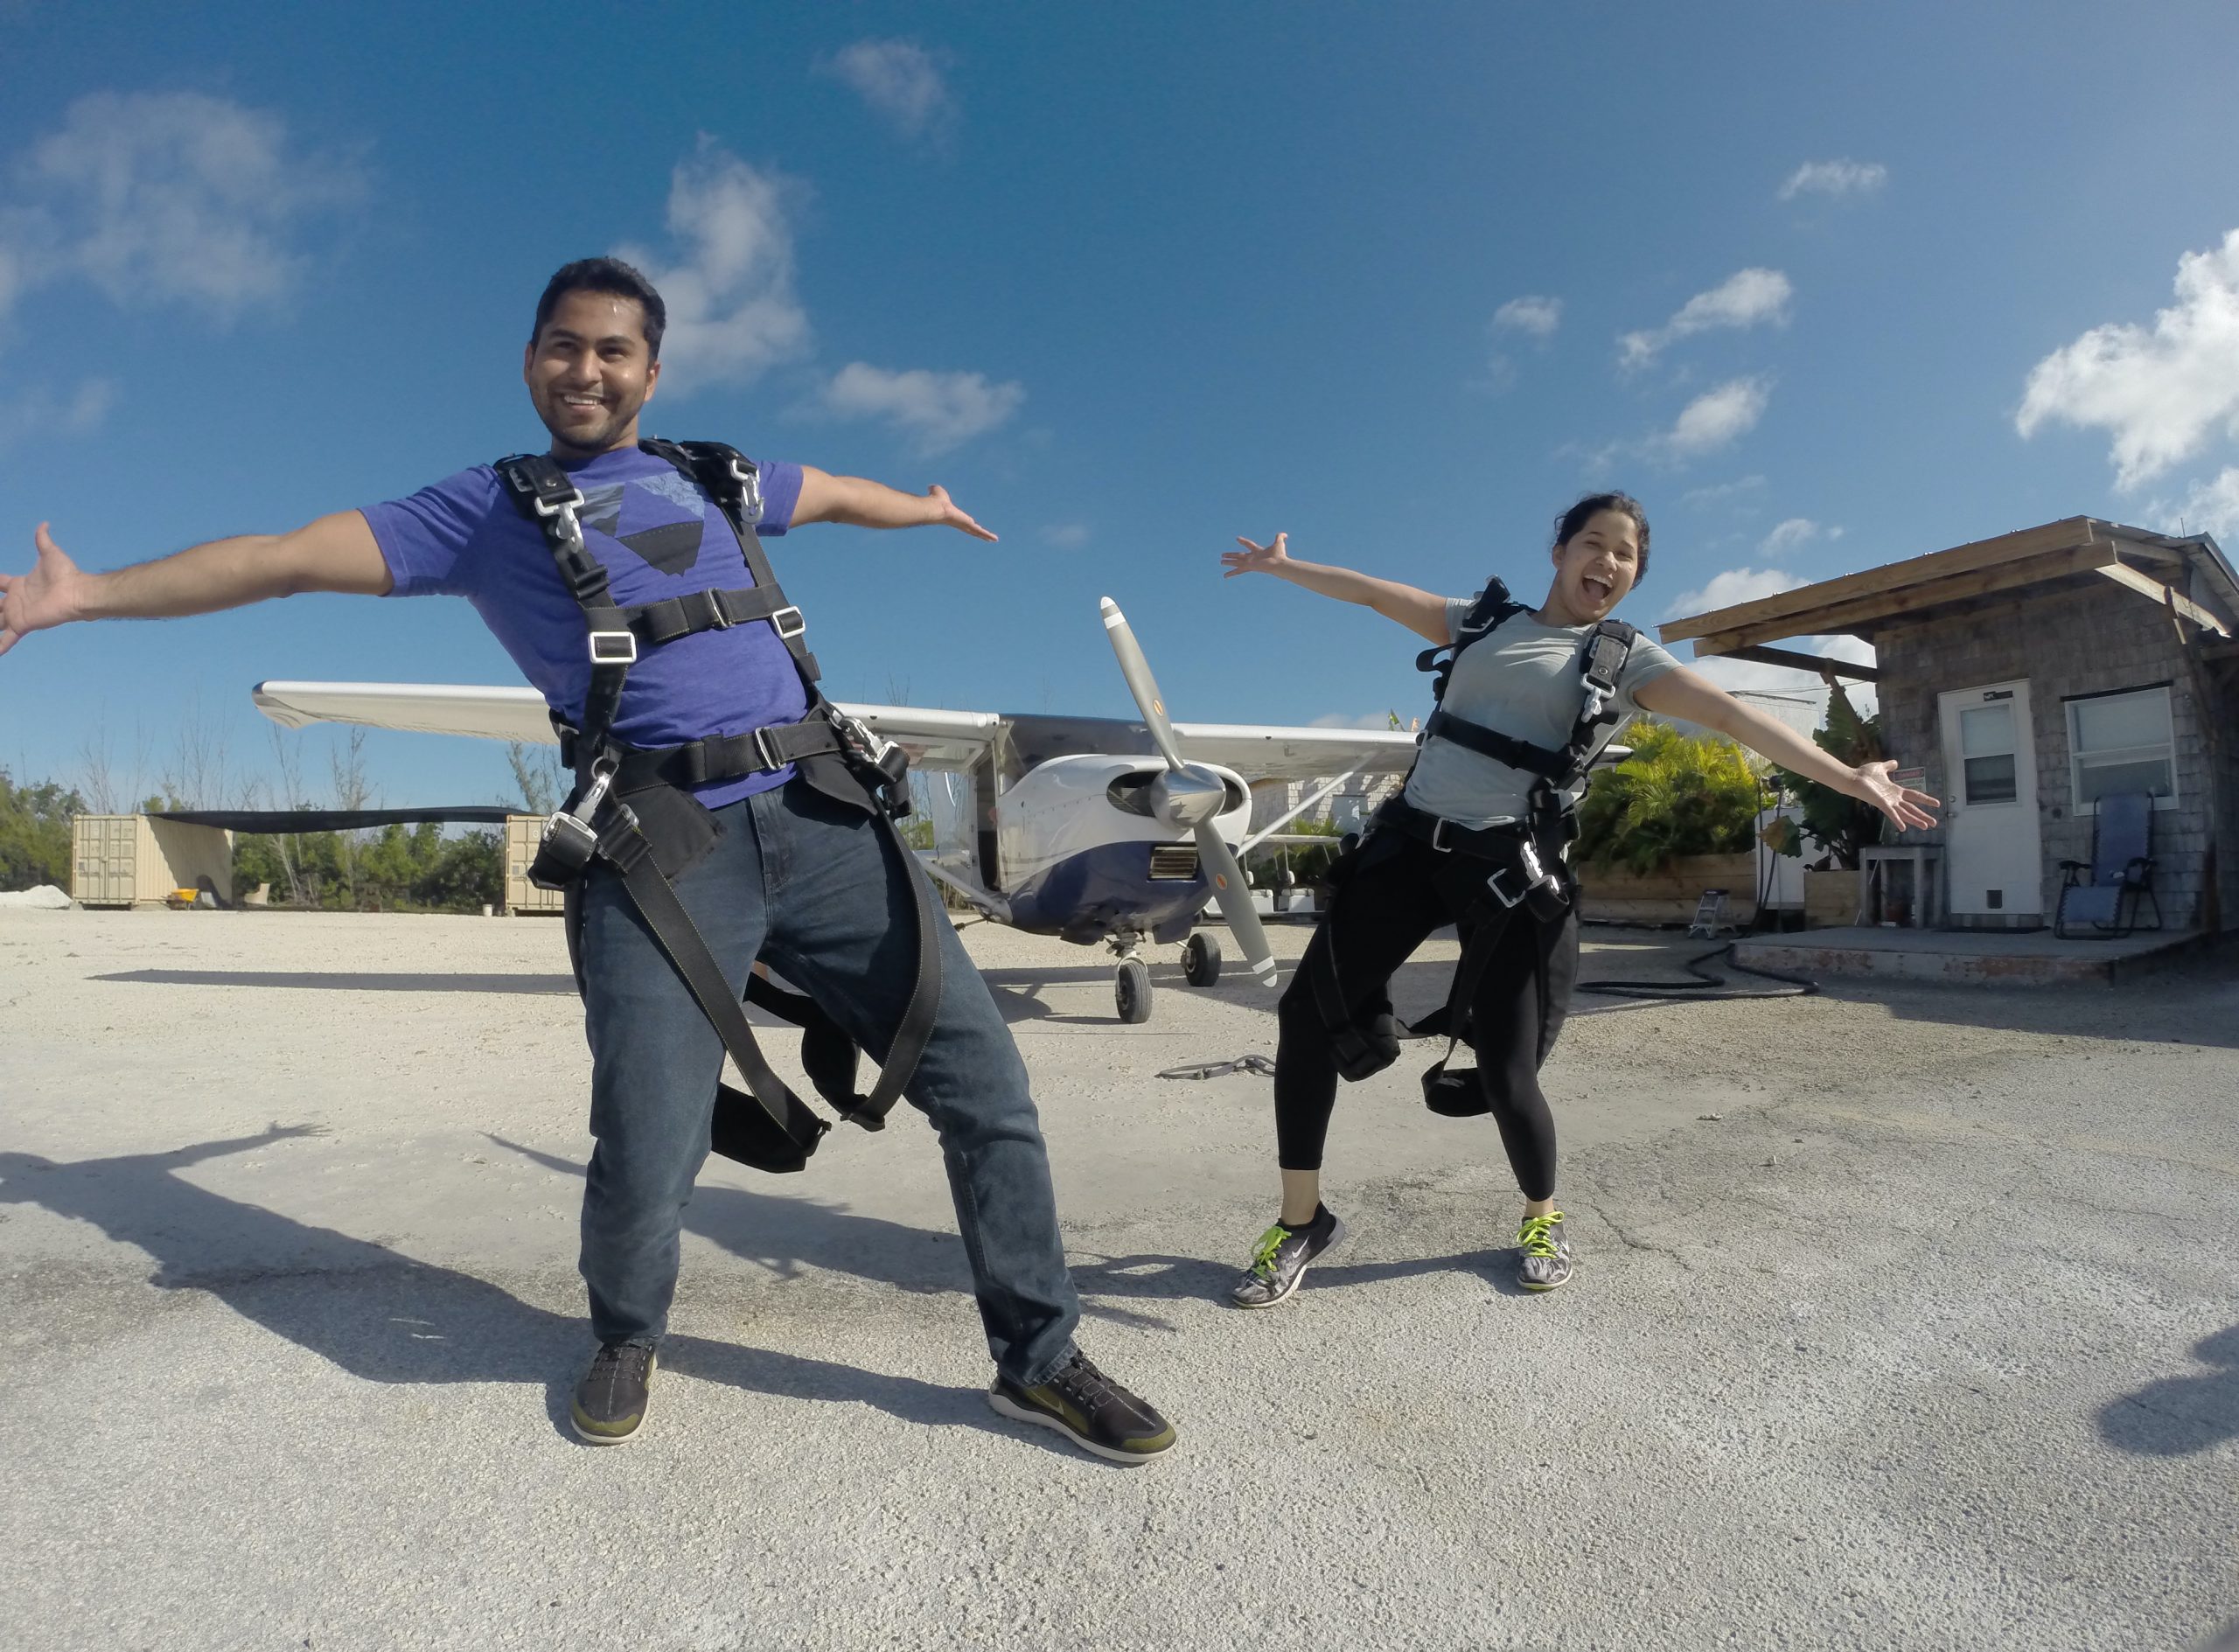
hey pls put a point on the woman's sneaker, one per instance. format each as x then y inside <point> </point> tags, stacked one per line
<point>610,1400</point>
<point>1278,1261</point>
<point>1547,1252</point>
<point>1081,1402</point>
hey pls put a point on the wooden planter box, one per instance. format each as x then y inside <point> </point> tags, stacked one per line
<point>1829,899</point>
<point>1670,895</point>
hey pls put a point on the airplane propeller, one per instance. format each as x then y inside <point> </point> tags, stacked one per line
<point>1190,796</point>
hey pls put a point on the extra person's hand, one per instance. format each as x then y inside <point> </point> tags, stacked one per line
<point>43,598</point>
<point>1901,803</point>
<point>949,515</point>
<point>1255,559</point>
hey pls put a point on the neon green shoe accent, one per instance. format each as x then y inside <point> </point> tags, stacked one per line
<point>1537,1235</point>
<point>1263,1254</point>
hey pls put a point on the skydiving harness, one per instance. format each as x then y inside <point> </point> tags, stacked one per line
<point>1522,864</point>
<point>631,806</point>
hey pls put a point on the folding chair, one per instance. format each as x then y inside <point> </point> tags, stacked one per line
<point>2121,870</point>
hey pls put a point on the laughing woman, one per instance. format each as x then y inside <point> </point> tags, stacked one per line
<point>1476,838</point>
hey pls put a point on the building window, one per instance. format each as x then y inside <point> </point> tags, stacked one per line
<point>2122,742</point>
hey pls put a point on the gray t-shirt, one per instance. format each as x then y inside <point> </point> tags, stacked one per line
<point>1523,680</point>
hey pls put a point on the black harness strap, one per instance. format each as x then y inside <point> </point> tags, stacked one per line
<point>594,820</point>
<point>625,848</point>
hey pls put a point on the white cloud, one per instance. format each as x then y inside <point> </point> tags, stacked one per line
<point>1793,533</point>
<point>732,310</point>
<point>1735,585</point>
<point>900,81</point>
<point>1066,536</point>
<point>1835,178</point>
<point>1722,490</point>
<point>1747,298</point>
<point>1531,314</point>
<point>938,411</point>
<point>2161,394</point>
<point>2211,508</point>
<point>1716,418</point>
<point>173,197</point>
<point>38,412</point>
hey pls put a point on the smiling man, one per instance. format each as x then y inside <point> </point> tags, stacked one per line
<point>722,812</point>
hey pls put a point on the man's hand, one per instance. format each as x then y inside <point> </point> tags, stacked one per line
<point>1256,559</point>
<point>952,516</point>
<point>46,596</point>
<point>858,503</point>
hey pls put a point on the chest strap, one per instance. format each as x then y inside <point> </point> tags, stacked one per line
<point>699,762</point>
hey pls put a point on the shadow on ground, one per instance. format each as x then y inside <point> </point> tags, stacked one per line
<point>387,1317</point>
<point>430,981</point>
<point>2179,1416</point>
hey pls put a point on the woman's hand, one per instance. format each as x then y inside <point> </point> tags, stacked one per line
<point>1901,803</point>
<point>1256,559</point>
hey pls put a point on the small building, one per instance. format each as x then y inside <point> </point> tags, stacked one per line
<point>139,860</point>
<point>2028,675</point>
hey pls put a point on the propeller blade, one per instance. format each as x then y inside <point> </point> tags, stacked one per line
<point>1137,671</point>
<point>1235,900</point>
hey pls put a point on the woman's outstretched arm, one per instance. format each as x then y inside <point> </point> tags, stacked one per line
<point>1692,697</point>
<point>1418,610</point>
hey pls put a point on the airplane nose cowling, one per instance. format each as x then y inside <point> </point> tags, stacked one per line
<point>1186,796</point>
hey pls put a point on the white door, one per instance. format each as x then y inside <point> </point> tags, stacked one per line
<point>1990,764</point>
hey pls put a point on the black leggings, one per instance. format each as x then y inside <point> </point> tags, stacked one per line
<point>1396,894</point>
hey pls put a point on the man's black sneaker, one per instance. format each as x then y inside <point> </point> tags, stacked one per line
<point>1279,1260</point>
<point>1081,1402</point>
<point>610,1400</point>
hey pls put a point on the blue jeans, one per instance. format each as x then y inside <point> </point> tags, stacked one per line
<point>813,887</point>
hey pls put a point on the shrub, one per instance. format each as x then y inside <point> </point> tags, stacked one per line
<point>1676,795</point>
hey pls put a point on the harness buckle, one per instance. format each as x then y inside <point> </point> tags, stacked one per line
<point>1502,895</point>
<point>614,648</point>
<point>723,620</point>
<point>798,624</point>
<point>1438,834</point>
<point>749,489</point>
<point>766,748</point>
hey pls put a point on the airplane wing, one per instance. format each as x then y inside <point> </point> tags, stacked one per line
<point>935,739</point>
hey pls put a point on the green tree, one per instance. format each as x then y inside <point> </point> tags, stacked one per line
<point>1677,794</point>
<point>35,833</point>
<point>1838,823</point>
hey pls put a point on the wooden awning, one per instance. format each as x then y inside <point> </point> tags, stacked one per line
<point>2078,547</point>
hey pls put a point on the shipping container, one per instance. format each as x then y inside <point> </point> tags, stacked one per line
<point>130,860</point>
<point>523,831</point>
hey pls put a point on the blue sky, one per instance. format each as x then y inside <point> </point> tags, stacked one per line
<point>1824,287</point>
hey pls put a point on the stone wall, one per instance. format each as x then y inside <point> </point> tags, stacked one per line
<point>2092,639</point>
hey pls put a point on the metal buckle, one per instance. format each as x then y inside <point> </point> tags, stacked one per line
<point>723,620</point>
<point>573,502</point>
<point>614,648</point>
<point>778,620</point>
<point>749,490</point>
<point>1502,895</point>
<point>1438,832</point>
<point>766,750</point>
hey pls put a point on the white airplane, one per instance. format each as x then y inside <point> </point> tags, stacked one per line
<point>1093,829</point>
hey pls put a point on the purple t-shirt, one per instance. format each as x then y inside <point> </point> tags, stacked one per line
<point>657,535</point>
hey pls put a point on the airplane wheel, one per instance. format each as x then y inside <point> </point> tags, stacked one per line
<point>1200,961</point>
<point>1132,990</point>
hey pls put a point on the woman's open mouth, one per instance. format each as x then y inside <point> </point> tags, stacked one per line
<point>1598,590</point>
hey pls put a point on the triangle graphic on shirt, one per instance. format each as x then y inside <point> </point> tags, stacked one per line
<point>672,547</point>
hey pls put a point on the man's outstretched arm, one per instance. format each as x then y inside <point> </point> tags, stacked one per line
<point>336,553</point>
<point>858,503</point>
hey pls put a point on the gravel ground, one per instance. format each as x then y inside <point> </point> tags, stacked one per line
<point>1905,1318</point>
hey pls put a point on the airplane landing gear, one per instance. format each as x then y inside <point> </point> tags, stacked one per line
<point>1131,991</point>
<point>1201,960</point>
<point>1131,985</point>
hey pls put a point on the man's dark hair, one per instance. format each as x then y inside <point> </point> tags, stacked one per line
<point>605,275</point>
<point>1571,522</point>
